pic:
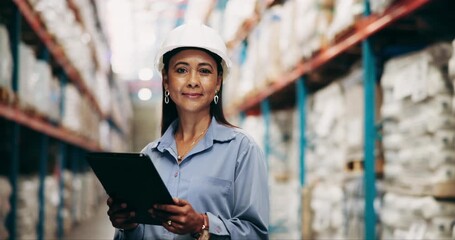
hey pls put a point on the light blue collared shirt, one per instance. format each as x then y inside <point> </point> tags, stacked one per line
<point>224,175</point>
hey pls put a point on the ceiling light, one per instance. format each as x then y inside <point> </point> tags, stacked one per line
<point>144,94</point>
<point>146,74</point>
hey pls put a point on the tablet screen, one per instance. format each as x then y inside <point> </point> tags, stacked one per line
<point>133,179</point>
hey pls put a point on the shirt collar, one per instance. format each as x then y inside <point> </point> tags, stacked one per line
<point>215,133</point>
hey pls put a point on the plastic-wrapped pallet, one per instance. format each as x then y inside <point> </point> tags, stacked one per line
<point>72,108</point>
<point>67,211</point>
<point>27,207</point>
<point>326,135</point>
<point>313,19</point>
<point>52,200</point>
<point>88,17</point>
<point>198,10</point>
<point>103,92</point>
<point>6,61</point>
<point>419,128</point>
<point>236,13</point>
<point>93,195</point>
<point>354,113</point>
<point>452,63</point>
<point>89,120</point>
<point>284,175</point>
<point>408,217</point>
<point>27,61</point>
<point>55,98</point>
<point>452,73</point>
<point>289,46</point>
<point>40,82</point>
<point>268,55</point>
<point>379,6</point>
<point>353,206</point>
<point>251,77</point>
<point>5,193</point>
<point>345,14</point>
<point>327,211</point>
<point>61,23</point>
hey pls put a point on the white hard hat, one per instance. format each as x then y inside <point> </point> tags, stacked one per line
<point>195,34</point>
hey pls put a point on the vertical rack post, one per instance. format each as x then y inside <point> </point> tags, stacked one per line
<point>42,181</point>
<point>301,102</point>
<point>15,34</point>
<point>265,109</point>
<point>44,155</point>
<point>61,161</point>
<point>242,117</point>
<point>14,175</point>
<point>369,133</point>
<point>75,171</point>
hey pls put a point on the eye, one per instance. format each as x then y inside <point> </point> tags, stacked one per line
<point>205,71</point>
<point>180,70</point>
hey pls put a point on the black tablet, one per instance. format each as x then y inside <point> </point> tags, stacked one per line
<point>133,179</point>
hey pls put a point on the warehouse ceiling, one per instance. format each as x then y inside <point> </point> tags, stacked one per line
<point>135,29</point>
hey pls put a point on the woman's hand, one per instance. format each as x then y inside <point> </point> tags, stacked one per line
<point>180,218</point>
<point>120,216</point>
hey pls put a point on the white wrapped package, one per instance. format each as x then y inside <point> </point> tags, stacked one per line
<point>312,24</point>
<point>237,11</point>
<point>5,194</point>
<point>452,63</point>
<point>55,98</point>
<point>198,10</point>
<point>27,61</point>
<point>289,47</point>
<point>72,108</point>
<point>269,59</point>
<point>424,68</point>
<point>102,92</point>
<point>346,11</point>
<point>40,82</point>
<point>6,60</point>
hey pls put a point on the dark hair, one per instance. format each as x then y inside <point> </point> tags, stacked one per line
<point>169,111</point>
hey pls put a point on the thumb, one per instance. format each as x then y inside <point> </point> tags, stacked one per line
<point>180,202</point>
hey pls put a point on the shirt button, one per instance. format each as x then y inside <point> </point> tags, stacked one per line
<point>176,174</point>
<point>218,229</point>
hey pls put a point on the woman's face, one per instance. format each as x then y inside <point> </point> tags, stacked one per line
<point>192,80</point>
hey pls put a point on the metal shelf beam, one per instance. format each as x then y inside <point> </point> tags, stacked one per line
<point>57,52</point>
<point>41,125</point>
<point>363,29</point>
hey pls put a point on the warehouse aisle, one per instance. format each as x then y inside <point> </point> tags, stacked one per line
<point>97,227</point>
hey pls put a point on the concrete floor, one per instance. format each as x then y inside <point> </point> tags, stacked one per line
<point>97,228</point>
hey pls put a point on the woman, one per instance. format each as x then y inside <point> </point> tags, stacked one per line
<point>215,171</point>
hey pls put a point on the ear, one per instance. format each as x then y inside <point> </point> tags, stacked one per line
<point>219,81</point>
<point>165,79</point>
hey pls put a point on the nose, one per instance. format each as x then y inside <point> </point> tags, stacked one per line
<point>193,80</point>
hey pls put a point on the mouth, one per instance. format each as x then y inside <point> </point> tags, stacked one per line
<point>192,95</point>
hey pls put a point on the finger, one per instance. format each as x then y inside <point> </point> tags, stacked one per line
<point>160,215</point>
<point>171,209</point>
<point>117,208</point>
<point>122,219</point>
<point>173,227</point>
<point>180,202</point>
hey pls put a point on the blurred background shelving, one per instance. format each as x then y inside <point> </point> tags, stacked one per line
<point>352,102</point>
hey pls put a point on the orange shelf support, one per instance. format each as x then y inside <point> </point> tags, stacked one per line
<point>57,52</point>
<point>41,125</point>
<point>362,30</point>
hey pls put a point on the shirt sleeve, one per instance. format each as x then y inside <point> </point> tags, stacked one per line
<point>137,233</point>
<point>250,216</point>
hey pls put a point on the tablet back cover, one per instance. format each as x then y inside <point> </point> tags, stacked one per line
<point>133,179</point>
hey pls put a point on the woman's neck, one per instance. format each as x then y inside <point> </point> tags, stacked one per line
<point>190,127</point>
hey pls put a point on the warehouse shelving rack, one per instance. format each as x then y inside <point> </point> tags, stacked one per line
<point>17,121</point>
<point>298,81</point>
